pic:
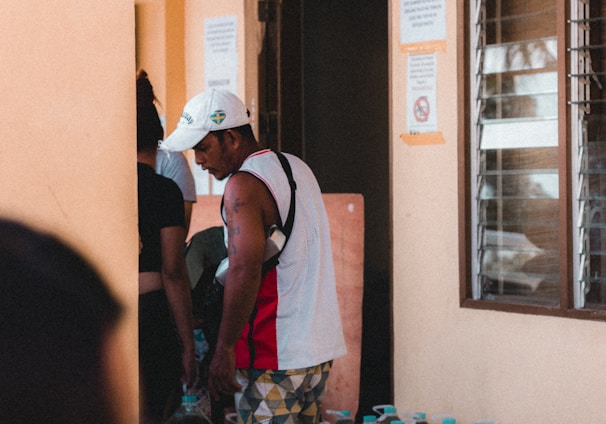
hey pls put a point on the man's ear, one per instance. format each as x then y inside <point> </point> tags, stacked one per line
<point>232,137</point>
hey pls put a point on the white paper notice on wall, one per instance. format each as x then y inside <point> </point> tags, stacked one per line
<point>221,53</point>
<point>220,71</point>
<point>422,26</point>
<point>421,100</point>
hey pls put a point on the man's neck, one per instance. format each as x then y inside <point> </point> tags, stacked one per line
<point>252,149</point>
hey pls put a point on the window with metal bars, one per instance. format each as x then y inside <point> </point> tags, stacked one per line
<point>536,155</point>
<point>588,112</point>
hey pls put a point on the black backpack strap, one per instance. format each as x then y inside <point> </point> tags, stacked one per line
<point>293,186</point>
<point>287,227</point>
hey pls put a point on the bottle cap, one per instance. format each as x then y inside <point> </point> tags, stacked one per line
<point>449,421</point>
<point>379,408</point>
<point>189,399</point>
<point>390,410</point>
<point>369,418</point>
<point>343,413</point>
<point>419,415</point>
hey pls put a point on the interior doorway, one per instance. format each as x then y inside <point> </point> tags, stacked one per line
<point>323,95</point>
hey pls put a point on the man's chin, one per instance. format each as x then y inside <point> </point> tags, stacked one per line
<point>218,177</point>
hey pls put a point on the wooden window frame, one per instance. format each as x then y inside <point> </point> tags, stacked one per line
<point>566,308</point>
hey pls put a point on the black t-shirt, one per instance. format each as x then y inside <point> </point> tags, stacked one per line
<point>160,205</point>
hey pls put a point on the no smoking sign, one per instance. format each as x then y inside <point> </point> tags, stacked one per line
<point>421,109</point>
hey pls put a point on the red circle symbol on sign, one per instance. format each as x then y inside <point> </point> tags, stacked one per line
<point>421,109</point>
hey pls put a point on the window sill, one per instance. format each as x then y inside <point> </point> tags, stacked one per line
<point>585,314</point>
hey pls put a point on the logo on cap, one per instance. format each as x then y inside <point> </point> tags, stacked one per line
<point>187,118</point>
<point>218,116</point>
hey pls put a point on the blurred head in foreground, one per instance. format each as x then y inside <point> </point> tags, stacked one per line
<point>56,314</point>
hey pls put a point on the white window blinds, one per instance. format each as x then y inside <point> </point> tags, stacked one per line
<point>515,161</point>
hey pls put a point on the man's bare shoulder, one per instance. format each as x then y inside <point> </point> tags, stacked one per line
<point>244,190</point>
<point>245,187</point>
<point>244,183</point>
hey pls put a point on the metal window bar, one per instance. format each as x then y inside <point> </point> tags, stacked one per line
<point>590,237</point>
<point>479,40</point>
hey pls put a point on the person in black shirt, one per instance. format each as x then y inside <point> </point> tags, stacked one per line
<point>166,344</point>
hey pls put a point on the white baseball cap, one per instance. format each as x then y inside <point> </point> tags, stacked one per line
<point>211,110</point>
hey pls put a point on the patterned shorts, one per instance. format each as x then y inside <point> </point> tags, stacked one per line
<point>281,397</point>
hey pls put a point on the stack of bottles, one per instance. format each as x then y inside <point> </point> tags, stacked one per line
<point>388,414</point>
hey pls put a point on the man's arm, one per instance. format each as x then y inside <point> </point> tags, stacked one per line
<point>249,210</point>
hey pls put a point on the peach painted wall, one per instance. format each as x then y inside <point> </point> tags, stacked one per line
<point>68,140</point>
<point>150,53</point>
<point>160,51</point>
<point>472,363</point>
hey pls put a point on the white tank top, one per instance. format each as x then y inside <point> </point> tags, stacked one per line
<point>297,323</point>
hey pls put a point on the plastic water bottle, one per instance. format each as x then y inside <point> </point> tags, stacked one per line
<point>343,416</point>
<point>188,412</point>
<point>369,419</point>
<point>200,344</point>
<point>419,418</point>
<point>390,413</point>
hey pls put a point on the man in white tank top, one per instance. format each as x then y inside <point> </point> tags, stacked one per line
<point>281,329</point>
